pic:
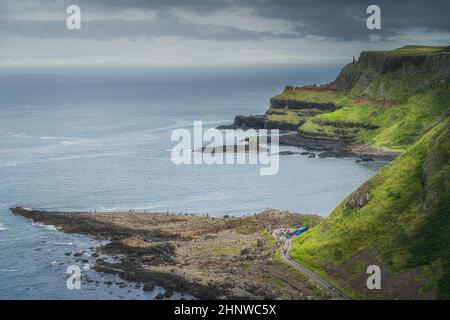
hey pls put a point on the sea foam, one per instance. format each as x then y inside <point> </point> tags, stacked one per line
<point>48,227</point>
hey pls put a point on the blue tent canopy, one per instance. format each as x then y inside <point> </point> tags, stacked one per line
<point>300,230</point>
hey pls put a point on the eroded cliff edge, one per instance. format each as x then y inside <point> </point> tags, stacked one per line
<point>378,106</point>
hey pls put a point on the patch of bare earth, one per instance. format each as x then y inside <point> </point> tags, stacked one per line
<point>351,274</point>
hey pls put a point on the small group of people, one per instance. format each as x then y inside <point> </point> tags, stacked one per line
<point>283,234</point>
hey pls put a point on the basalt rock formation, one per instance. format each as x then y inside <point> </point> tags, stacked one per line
<point>384,101</point>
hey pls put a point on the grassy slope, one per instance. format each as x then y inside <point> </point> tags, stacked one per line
<point>399,219</point>
<point>399,125</point>
<point>414,104</point>
<point>291,116</point>
<point>414,49</point>
<point>405,224</point>
<point>338,98</point>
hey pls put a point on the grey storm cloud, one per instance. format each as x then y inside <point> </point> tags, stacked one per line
<point>147,28</point>
<point>342,20</point>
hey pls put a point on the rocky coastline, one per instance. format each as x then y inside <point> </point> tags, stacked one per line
<point>324,146</point>
<point>342,118</point>
<point>206,257</point>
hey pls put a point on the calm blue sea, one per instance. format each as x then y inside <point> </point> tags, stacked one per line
<point>100,140</point>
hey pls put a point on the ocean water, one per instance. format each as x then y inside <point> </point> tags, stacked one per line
<point>100,140</point>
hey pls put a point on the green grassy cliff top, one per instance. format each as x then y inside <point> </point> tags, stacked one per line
<point>399,220</point>
<point>386,99</point>
<point>413,50</point>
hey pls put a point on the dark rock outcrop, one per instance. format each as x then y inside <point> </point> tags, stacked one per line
<point>284,126</point>
<point>358,198</point>
<point>276,103</point>
<point>341,139</point>
<point>258,122</point>
<point>312,143</point>
<point>251,121</point>
<point>370,64</point>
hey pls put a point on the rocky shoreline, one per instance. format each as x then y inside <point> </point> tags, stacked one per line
<point>206,257</point>
<point>324,147</point>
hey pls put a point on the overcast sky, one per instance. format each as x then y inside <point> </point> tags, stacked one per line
<point>149,33</point>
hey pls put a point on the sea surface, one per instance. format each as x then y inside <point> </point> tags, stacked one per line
<point>100,140</point>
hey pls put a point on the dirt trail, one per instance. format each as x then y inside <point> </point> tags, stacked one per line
<point>286,257</point>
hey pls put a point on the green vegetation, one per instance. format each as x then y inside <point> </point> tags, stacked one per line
<point>396,127</point>
<point>357,114</point>
<point>412,50</point>
<point>286,116</point>
<point>329,130</point>
<point>400,218</point>
<point>388,99</point>
<point>291,116</point>
<point>231,250</point>
<point>326,96</point>
<point>269,240</point>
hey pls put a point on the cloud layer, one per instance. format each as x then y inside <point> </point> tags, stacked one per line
<point>264,23</point>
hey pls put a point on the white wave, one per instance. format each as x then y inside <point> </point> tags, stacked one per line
<point>71,142</point>
<point>63,243</point>
<point>2,227</point>
<point>8,270</point>
<point>104,209</point>
<point>178,124</point>
<point>21,135</point>
<point>48,227</point>
<point>13,239</point>
<point>8,165</point>
<point>58,138</point>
